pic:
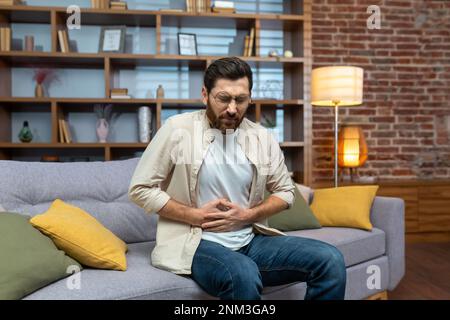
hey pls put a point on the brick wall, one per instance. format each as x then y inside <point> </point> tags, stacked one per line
<point>406,112</point>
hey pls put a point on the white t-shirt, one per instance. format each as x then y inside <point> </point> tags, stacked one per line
<point>226,173</point>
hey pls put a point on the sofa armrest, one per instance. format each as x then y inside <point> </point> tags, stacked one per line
<point>388,214</point>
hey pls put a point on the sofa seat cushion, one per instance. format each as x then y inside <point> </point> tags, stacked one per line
<point>355,244</point>
<point>140,281</point>
<point>143,281</point>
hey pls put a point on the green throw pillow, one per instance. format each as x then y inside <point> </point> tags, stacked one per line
<point>28,259</point>
<point>298,217</point>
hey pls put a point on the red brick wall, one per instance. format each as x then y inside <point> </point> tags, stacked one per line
<point>406,84</point>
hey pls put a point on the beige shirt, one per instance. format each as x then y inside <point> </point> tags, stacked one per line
<point>169,168</point>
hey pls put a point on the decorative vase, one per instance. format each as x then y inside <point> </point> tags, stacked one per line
<point>39,90</point>
<point>102,129</point>
<point>145,118</point>
<point>160,92</point>
<point>25,134</point>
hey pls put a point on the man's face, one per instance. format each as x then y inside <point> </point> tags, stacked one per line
<point>227,103</point>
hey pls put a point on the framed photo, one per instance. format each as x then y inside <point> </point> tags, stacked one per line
<point>112,39</point>
<point>187,44</point>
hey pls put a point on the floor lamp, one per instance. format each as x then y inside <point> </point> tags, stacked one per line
<point>337,86</point>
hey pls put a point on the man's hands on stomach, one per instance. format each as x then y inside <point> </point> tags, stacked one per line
<point>221,215</point>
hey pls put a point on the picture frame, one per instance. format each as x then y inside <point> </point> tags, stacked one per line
<point>112,39</point>
<point>187,44</point>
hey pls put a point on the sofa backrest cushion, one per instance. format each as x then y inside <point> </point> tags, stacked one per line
<point>100,188</point>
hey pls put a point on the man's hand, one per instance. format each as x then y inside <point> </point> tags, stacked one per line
<point>222,221</point>
<point>201,214</point>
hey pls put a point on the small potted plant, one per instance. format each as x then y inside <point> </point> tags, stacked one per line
<point>42,76</point>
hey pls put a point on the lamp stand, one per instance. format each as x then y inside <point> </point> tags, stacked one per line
<point>336,124</point>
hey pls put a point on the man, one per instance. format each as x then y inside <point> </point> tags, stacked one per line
<point>205,173</point>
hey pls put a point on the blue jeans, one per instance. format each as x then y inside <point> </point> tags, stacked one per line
<point>269,261</point>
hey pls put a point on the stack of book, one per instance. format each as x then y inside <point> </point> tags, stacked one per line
<point>119,93</point>
<point>10,2</point>
<point>63,40</point>
<point>198,5</point>
<point>223,7</point>
<point>64,132</point>
<point>100,4</point>
<point>5,39</point>
<point>118,5</point>
<point>249,43</point>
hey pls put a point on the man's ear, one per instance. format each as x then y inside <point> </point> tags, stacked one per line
<point>204,96</point>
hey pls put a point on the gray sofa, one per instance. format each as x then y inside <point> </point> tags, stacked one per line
<point>100,188</point>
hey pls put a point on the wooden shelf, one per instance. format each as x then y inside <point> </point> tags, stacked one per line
<point>97,60</point>
<point>41,14</point>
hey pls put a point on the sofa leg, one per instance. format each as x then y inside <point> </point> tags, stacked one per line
<point>378,296</point>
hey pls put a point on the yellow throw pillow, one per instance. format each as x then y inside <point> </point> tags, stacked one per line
<point>81,236</point>
<point>344,206</point>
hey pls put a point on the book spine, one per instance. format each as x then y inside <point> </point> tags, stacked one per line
<point>251,42</point>
<point>61,41</point>
<point>8,39</point>
<point>63,122</point>
<point>66,128</point>
<point>2,39</point>
<point>66,40</point>
<point>247,39</point>
<point>60,130</point>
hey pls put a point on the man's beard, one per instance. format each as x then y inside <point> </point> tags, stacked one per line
<point>220,122</point>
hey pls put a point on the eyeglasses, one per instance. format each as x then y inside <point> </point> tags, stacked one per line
<point>224,99</point>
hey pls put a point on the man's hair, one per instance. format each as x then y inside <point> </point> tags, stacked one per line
<point>231,68</point>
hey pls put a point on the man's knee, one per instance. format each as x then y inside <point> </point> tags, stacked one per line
<point>335,263</point>
<point>243,282</point>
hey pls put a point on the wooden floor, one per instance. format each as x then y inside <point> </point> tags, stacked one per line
<point>427,273</point>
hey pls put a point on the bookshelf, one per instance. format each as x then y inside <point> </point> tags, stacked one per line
<point>292,25</point>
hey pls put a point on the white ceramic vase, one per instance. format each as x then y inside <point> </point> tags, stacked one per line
<point>102,129</point>
<point>144,120</point>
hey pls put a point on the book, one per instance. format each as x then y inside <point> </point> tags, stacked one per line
<point>122,96</point>
<point>223,10</point>
<point>119,91</point>
<point>104,4</point>
<point>66,131</point>
<point>100,4</point>
<point>66,40</point>
<point>188,6</point>
<point>246,43</point>
<point>171,10</point>
<point>223,4</point>
<point>63,132</point>
<point>5,39</point>
<point>199,5</point>
<point>118,5</point>
<point>60,130</point>
<point>10,2</point>
<point>251,42</point>
<point>2,39</point>
<point>62,43</point>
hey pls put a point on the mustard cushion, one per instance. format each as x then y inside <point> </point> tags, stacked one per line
<point>344,206</point>
<point>81,236</point>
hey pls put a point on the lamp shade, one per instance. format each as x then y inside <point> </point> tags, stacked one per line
<point>341,85</point>
<point>352,148</point>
